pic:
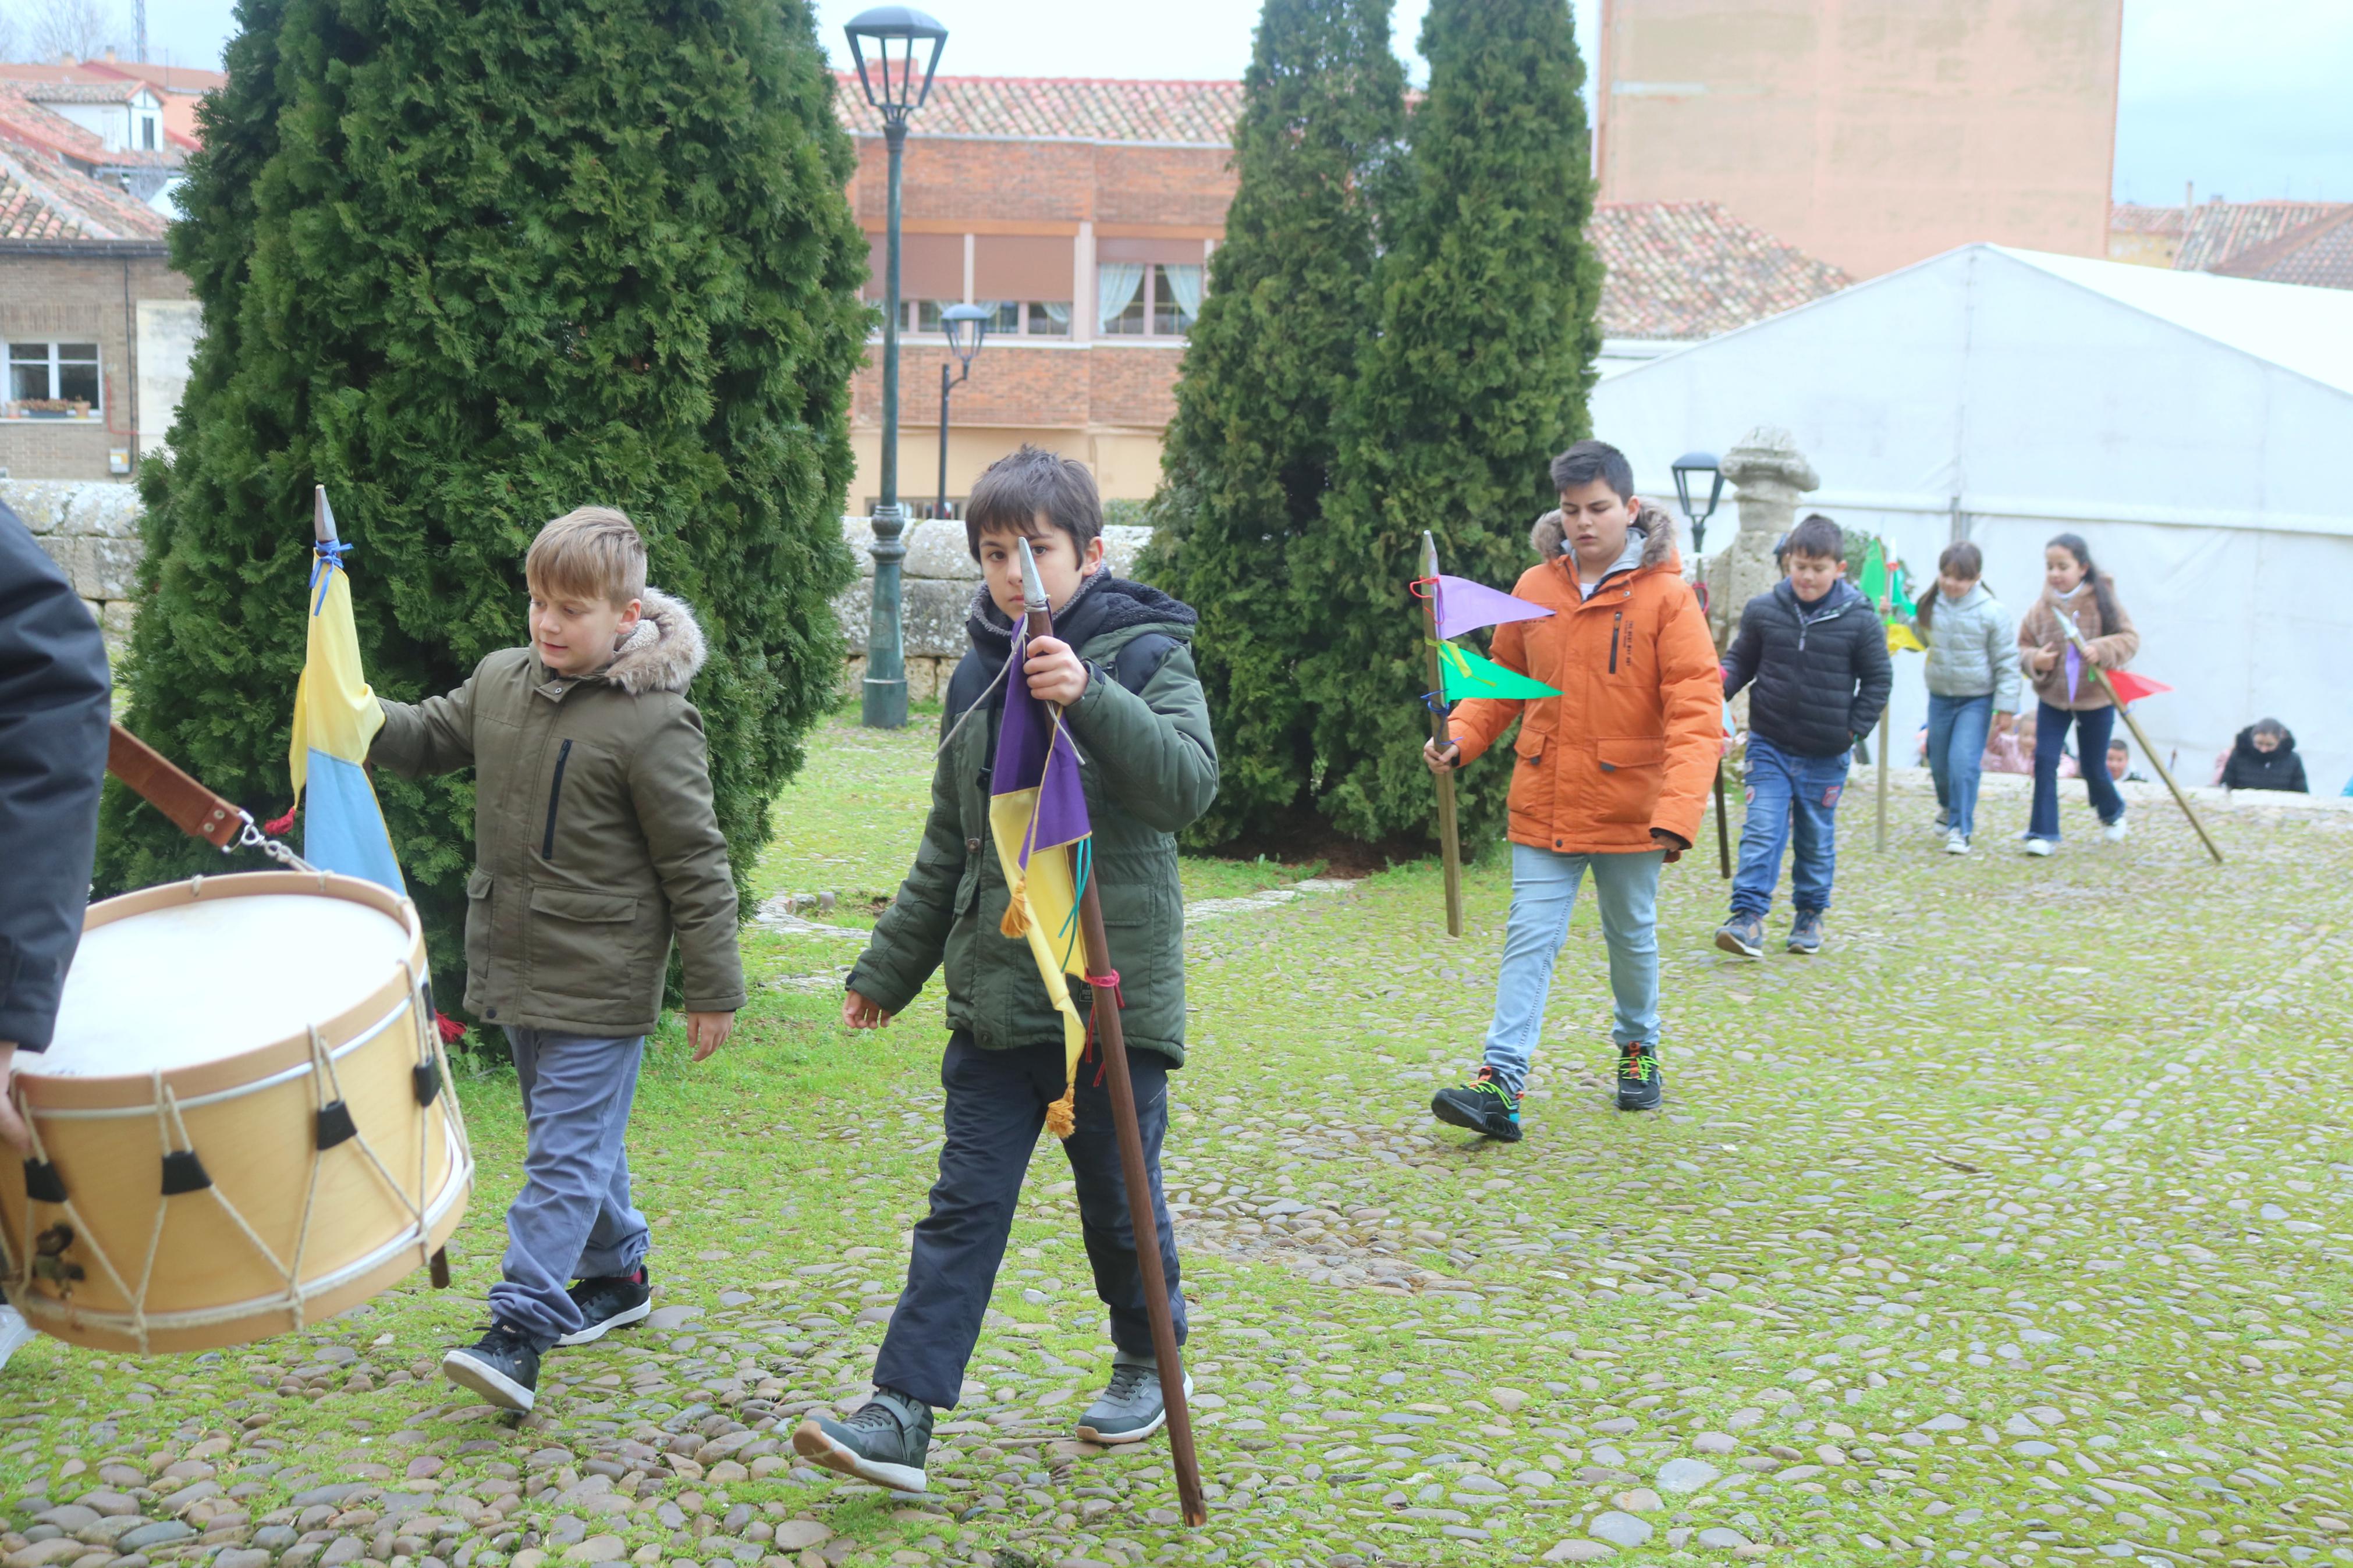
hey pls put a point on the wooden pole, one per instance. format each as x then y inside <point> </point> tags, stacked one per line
<point>1135,1175</point>
<point>2150,753</point>
<point>1449,841</point>
<point>1723,833</point>
<point>1885,725</point>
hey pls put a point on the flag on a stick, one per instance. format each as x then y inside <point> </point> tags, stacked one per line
<point>1465,606</point>
<point>1038,816</point>
<point>335,717</point>
<point>1465,674</point>
<point>2130,688</point>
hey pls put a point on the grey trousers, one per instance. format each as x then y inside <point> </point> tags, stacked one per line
<point>573,1220</point>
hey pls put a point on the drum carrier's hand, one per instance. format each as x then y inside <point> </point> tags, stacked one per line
<point>709,1031</point>
<point>12,1129</point>
<point>862,1013</point>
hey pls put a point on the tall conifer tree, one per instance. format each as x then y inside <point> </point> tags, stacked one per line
<point>1249,454</point>
<point>470,264</point>
<point>1478,376</point>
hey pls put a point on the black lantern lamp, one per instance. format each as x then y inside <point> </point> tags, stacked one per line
<point>967,328</point>
<point>891,44</point>
<point>1689,471</point>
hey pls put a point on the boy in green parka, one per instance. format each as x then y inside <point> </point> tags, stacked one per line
<point>1119,666</point>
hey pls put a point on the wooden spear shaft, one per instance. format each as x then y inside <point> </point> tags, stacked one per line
<point>2074,635</point>
<point>1135,1175</point>
<point>1449,839</point>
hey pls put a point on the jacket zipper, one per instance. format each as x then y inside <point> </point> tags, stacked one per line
<point>555,798</point>
<point>1615,622</point>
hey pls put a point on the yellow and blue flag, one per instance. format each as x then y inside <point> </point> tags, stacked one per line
<point>335,718</point>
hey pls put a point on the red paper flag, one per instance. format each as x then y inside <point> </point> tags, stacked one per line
<point>2130,688</point>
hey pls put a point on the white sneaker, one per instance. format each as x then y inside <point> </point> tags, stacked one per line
<point>2115,832</point>
<point>2041,846</point>
<point>1956,844</point>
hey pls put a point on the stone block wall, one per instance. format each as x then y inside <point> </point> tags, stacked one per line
<point>90,529</point>
<point>937,579</point>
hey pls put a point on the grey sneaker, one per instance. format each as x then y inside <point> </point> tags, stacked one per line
<point>1806,931</point>
<point>1130,1408</point>
<point>1743,934</point>
<point>883,1441</point>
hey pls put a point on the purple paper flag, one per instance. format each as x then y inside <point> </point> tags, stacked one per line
<point>2074,670</point>
<point>1024,763</point>
<point>1464,605</point>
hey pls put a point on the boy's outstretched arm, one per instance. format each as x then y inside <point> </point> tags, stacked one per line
<point>1692,688</point>
<point>1154,752</point>
<point>670,785</point>
<point>419,738</point>
<point>1740,667</point>
<point>911,937</point>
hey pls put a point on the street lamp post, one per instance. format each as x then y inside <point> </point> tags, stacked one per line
<point>1688,467</point>
<point>890,36</point>
<point>967,328</point>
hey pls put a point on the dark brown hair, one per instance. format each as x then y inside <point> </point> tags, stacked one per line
<point>1029,484</point>
<point>1819,537</point>
<point>2103,593</point>
<point>1960,559</point>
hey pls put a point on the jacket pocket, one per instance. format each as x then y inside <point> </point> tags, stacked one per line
<point>584,944</point>
<point>1530,803</point>
<point>479,928</point>
<point>1632,771</point>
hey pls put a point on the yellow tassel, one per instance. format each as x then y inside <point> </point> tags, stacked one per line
<point>1063,1116</point>
<point>1017,911</point>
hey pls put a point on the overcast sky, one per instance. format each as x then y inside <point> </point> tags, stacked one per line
<point>2245,98</point>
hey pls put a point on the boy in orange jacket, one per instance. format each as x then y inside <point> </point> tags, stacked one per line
<point>1610,776</point>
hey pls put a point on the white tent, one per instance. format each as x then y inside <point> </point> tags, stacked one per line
<point>2195,430</point>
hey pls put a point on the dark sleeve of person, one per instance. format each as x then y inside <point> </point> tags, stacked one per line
<point>1747,647</point>
<point>2230,777</point>
<point>1874,673</point>
<point>2295,776</point>
<point>55,704</point>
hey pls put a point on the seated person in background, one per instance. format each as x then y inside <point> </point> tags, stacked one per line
<point>2120,767</point>
<point>2264,757</point>
<point>2014,752</point>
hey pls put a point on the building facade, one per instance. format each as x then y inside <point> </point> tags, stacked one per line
<point>1871,134</point>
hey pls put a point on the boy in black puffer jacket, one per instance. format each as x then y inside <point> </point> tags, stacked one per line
<point>1816,655</point>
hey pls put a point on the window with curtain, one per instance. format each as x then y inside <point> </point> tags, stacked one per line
<point>1120,309</point>
<point>1176,298</point>
<point>1048,319</point>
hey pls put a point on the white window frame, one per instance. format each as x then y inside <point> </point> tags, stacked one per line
<point>53,362</point>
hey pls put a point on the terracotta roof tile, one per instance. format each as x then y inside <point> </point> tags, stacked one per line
<point>2130,218</point>
<point>2220,231</point>
<point>1199,113</point>
<point>44,198</point>
<point>1691,269</point>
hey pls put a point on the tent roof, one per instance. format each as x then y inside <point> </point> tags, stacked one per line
<point>2306,330</point>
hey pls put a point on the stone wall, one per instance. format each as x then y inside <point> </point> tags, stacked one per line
<point>937,581</point>
<point>90,529</point>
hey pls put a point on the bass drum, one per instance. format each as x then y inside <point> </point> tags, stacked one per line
<point>244,1123</point>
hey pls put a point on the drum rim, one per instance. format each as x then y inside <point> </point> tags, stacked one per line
<point>269,1060</point>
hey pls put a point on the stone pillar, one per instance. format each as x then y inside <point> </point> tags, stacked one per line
<point>1767,474</point>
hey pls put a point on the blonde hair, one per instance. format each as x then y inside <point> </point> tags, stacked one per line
<point>589,553</point>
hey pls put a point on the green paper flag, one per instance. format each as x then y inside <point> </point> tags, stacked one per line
<point>1874,580</point>
<point>1465,674</point>
<point>1899,591</point>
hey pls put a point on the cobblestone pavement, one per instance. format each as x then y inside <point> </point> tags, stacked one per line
<point>2012,1228</point>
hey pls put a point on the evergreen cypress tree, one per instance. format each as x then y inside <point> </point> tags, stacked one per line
<point>1248,456</point>
<point>1478,376</point>
<point>469,264</point>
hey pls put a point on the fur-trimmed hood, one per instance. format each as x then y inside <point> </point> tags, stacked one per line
<point>1658,537</point>
<point>662,652</point>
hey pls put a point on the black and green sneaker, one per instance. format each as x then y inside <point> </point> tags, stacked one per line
<point>1640,1082</point>
<point>1485,1106</point>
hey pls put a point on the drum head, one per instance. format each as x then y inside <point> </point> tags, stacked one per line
<point>197,982</point>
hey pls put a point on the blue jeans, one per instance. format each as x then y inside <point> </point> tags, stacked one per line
<point>1788,797</point>
<point>1544,894</point>
<point>573,1220</point>
<point>1957,742</point>
<point>2093,726</point>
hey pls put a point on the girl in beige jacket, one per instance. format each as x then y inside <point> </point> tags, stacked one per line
<point>2067,692</point>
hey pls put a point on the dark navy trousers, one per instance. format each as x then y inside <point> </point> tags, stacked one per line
<point>996,1104</point>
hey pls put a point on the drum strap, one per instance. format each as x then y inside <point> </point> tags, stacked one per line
<point>190,807</point>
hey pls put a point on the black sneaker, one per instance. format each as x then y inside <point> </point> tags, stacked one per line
<point>1484,1106</point>
<point>1743,934</point>
<point>883,1441</point>
<point>612,1302</point>
<point>501,1366</point>
<point>1806,931</point>
<point>1639,1078</point>
<point>1131,1409</point>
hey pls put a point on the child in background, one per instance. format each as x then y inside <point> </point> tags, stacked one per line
<point>1818,654</point>
<point>2076,592</point>
<point>1973,687</point>
<point>2120,767</point>
<point>2264,757</point>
